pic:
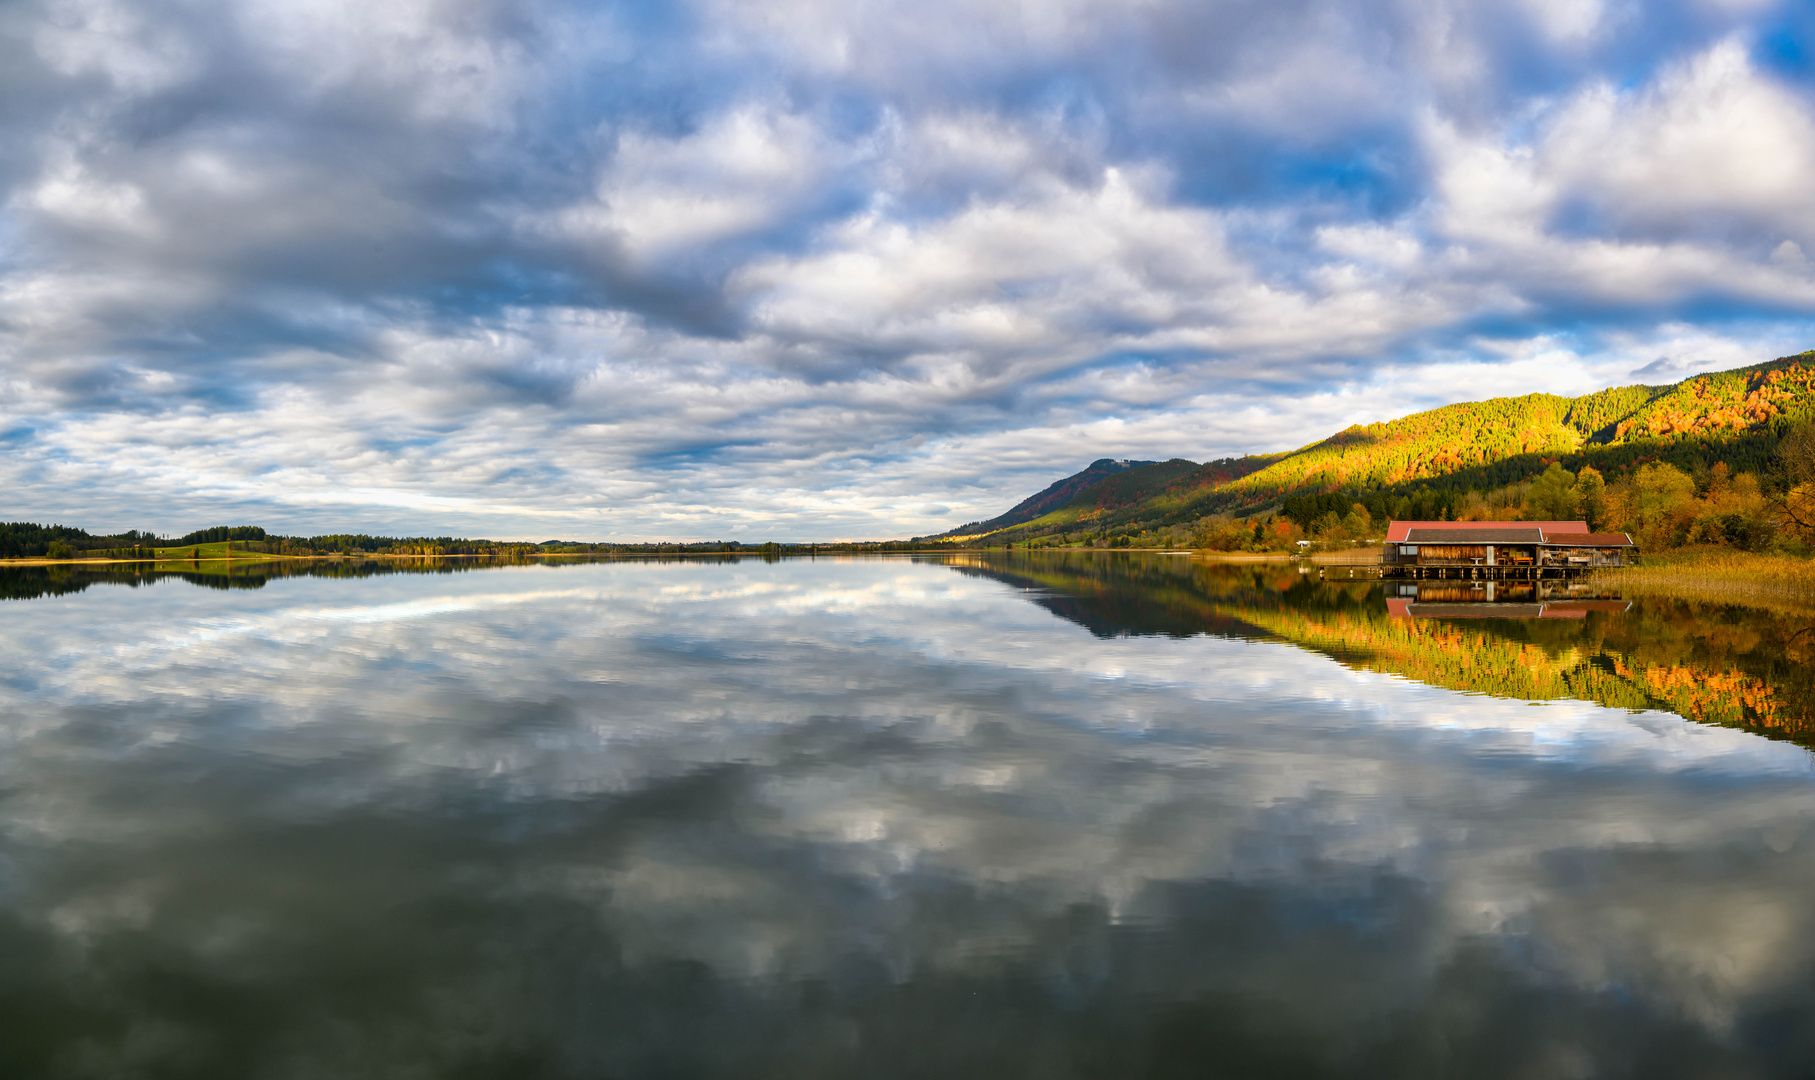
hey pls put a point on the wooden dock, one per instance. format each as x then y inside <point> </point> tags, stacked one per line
<point>1501,572</point>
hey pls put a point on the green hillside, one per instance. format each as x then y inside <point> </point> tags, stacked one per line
<point>1138,487</point>
<point>1166,489</point>
<point>1731,416</point>
<point>1424,445</point>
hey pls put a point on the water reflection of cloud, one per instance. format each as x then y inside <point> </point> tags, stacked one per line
<point>878,774</point>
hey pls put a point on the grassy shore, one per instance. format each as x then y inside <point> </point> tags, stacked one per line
<point>1369,556</point>
<point>1365,556</point>
<point>1721,575</point>
<point>216,552</point>
<point>1241,556</point>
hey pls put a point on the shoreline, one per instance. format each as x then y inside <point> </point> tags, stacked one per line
<point>259,558</point>
<point>1242,556</point>
<point>1367,557</point>
<point>1717,575</point>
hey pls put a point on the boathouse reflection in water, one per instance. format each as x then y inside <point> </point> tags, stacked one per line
<point>1497,600</point>
<point>1544,640</point>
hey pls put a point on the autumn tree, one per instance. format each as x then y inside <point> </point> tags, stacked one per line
<point>1656,504</point>
<point>1591,496</point>
<point>1553,496</point>
<point>1793,487</point>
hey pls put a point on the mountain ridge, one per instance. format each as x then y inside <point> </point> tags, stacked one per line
<point>1049,498</point>
<point>1734,416</point>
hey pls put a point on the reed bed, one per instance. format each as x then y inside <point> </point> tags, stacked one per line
<point>1241,556</point>
<point>1734,577</point>
<point>1369,556</point>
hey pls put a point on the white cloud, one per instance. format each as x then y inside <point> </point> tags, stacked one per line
<point>1711,136</point>
<point>119,41</point>
<point>1567,21</point>
<point>741,172</point>
<point>811,269</point>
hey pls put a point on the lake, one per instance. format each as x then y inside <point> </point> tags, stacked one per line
<point>967,816</point>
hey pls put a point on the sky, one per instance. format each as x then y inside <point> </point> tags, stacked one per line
<point>812,270</point>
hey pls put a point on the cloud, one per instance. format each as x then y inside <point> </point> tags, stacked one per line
<point>1666,370</point>
<point>808,269</point>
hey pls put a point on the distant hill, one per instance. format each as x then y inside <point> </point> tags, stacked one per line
<point>1053,497</point>
<point>1108,484</point>
<point>1733,416</point>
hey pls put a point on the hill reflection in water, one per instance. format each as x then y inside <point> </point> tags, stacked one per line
<point>1714,664</point>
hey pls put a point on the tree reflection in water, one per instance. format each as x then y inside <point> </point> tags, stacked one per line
<point>1714,664</point>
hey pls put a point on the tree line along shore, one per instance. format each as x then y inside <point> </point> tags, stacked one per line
<point>31,543</point>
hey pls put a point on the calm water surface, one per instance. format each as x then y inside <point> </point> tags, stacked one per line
<point>982,817</point>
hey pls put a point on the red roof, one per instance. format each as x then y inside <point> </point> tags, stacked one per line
<point>1474,609</point>
<point>1395,531</point>
<point>1478,536</point>
<point>1571,609</point>
<point>1590,539</point>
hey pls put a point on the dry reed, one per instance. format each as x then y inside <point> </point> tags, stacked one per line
<point>1722,576</point>
<point>1348,557</point>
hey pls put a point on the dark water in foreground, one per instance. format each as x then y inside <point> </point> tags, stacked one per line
<point>992,817</point>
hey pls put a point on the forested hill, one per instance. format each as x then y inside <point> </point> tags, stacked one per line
<point>1050,499</point>
<point>1735,412</point>
<point>1731,416</point>
<point>1112,485</point>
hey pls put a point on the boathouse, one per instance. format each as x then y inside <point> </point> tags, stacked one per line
<point>1500,550</point>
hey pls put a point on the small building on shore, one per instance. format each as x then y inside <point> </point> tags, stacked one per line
<point>1500,550</point>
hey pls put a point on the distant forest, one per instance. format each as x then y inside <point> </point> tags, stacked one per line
<point>22,539</point>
